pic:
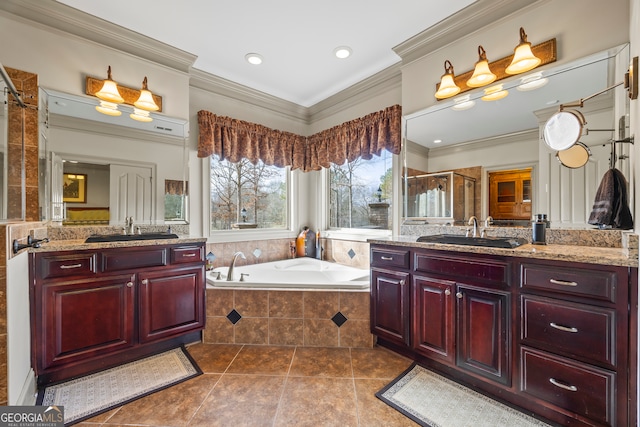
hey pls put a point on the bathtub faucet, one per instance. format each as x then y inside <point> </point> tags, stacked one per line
<point>233,264</point>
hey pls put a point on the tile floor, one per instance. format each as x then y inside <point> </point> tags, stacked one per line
<point>272,386</point>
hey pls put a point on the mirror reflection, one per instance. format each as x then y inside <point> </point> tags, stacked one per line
<point>103,170</point>
<point>502,139</point>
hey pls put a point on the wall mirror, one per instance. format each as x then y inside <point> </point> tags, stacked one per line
<point>457,124</point>
<point>100,170</point>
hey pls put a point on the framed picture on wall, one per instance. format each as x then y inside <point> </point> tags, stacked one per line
<point>74,188</point>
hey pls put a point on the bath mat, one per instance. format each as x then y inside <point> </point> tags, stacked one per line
<point>94,394</point>
<point>434,401</point>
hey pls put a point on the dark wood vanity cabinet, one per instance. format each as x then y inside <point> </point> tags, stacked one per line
<point>556,338</point>
<point>93,309</point>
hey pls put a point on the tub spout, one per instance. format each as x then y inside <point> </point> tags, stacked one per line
<point>233,264</point>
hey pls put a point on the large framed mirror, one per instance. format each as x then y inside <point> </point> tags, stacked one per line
<point>101,170</point>
<point>504,135</point>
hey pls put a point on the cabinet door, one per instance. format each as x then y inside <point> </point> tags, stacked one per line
<point>390,305</point>
<point>84,318</point>
<point>171,302</point>
<point>433,310</point>
<point>483,326</point>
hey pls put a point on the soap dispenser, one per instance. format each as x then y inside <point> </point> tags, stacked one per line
<point>538,230</point>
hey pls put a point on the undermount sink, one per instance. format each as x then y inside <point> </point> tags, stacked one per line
<point>99,238</point>
<point>489,242</point>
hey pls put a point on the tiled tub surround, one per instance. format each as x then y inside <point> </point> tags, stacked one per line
<point>290,318</point>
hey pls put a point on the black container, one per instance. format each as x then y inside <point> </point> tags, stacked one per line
<point>538,230</point>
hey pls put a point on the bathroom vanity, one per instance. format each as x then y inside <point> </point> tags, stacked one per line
<point>551,329</point>
<point>96,305</point>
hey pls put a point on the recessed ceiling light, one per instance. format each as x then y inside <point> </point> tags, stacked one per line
<point>253,58</point>
<point>437,141</point>
<point>342,52</point>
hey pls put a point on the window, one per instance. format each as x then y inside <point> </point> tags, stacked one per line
<point>360,193</point>
<point>244,195</point>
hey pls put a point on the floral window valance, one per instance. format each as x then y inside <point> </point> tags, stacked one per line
<point>233,139</point>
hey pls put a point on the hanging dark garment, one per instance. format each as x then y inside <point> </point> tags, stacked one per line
<point>611,206</point>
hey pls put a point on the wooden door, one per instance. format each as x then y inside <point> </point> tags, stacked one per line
<point>433,331</point>
<point>390,305</point>
<point>482,332</point>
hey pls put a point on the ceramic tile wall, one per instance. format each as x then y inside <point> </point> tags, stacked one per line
<point>256,251</point>
<point>288,318</point>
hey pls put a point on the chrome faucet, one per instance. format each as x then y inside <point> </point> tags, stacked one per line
<point>473,220</point>
<point>488,221</point>
<point>233,264</point>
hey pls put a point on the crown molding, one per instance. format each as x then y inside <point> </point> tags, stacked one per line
<point>52,14</point>
<point>480,14</point>
<point>387,79</point>
<point>218,85</point>
<point>485,142</point>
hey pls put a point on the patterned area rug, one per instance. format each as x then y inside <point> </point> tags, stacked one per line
<point>93,394</point>
<point>434,401</point>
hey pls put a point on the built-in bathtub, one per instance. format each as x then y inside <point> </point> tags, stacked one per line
<point>297,273</point>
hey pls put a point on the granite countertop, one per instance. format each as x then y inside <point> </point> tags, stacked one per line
<point>573,253</point>
<point>79,244</point>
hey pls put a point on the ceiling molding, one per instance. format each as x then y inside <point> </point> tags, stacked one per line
<point>385,80</point>
<point>214,84</point>
<point>479,144</point>
<point>66,19</point>
<point>474,17</point>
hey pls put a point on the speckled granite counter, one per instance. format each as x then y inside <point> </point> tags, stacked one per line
<point>574,253</point>
<point>75,245</point>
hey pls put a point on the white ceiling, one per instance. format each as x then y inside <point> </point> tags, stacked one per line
<point>296,38</point>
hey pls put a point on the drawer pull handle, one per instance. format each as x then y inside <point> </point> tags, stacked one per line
<point>188,255</point>
<point>562,386</point>
<point>459,295</point>
<point>447,292</point>
<point>129,284</point>
<point>145,281</point>
<point>401,282</point>
<point>563,282</point>
<point>386,258</point>
<point>65,267</point>
<point>563,328</point>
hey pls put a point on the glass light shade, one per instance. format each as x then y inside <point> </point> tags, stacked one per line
<point>140,115</point>
<point>482,75</point>
<point>463,103</point>
<point>447,87</point>
<point>523,58</point>
<point>532,82</point>
<point>109,92</point>
<point>108,108</point>
<point>494,93</point>
<point>146,102</point>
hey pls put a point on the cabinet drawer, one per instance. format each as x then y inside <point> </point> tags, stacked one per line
<point>572,329</point>
<point>573,386</point>
<point>594,283</point>
<point>390,258</point>
<point>127,259</point>
<point>67,265</point>
<point>476,269</point>
<point>187,254</point>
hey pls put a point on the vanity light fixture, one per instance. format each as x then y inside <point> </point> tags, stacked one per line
<point>463,102</point>
<point>523,58</point>
<point>141,115</point>
<point>109,96</point>
<point>447,87</point>
<point>482,75</point>
<point>253,58</point>
<point>494,93</point>
<point>342,52</point>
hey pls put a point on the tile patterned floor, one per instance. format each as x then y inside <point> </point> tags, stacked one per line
<point>272,386</point>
